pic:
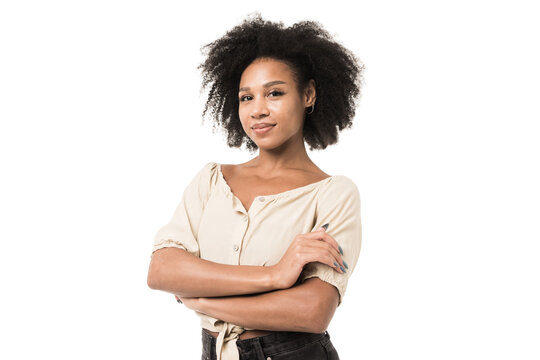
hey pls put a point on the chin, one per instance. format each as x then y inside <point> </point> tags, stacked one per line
<point>269,145</point>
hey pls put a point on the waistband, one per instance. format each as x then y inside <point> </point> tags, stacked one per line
<point>277,341</point>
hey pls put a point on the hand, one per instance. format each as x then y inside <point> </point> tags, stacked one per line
<point>315,246</point>
<point>191,302</point>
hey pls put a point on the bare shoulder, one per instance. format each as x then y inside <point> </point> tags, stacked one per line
<point>229,170</point>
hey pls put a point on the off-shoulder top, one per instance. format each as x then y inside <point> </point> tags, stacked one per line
<point>211,222</point>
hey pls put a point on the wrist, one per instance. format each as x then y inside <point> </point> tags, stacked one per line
<point>201,304</point>
<point>274,282</point>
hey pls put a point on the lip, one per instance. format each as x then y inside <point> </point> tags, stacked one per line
<point>263,130</point>
<point>261,125</point>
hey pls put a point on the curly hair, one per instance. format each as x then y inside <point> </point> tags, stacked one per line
<point>308,50</point>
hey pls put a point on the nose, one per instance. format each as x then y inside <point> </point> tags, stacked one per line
<point>258,108</point>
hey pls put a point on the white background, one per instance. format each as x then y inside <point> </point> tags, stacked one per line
<point>101,131</point>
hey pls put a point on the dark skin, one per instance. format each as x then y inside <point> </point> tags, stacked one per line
<point>282,164</point>
<point>282,153</point>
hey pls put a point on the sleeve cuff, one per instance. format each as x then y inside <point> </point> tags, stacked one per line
<point>168,243</point>
<point>326,274</point>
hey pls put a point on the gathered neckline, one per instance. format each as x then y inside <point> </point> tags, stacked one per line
<point>276,195</point>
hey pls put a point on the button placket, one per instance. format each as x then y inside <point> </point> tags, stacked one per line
<point>245,226</point>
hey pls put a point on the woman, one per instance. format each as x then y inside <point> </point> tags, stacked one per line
<point>263,250</point>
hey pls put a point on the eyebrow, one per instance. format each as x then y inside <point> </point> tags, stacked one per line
<point>268,84</point>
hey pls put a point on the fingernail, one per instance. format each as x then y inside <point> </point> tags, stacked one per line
<point>336,264</point>
<point>340,249</point>
<point>344,263</point>
<point>342,269</point>
<point>180,301</point>
<point>325,226</point>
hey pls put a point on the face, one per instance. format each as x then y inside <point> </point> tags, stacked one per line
<point>269,94</point>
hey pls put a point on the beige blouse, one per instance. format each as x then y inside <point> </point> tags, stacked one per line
<point>211,222</point>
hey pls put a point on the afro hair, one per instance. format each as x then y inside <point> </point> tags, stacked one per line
<point>309,51</point>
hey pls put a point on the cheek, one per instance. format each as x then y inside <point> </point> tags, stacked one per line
<point>244,111</point>
<point>243,115</point>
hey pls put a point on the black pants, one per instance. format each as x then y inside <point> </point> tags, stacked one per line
<point>277,346</point>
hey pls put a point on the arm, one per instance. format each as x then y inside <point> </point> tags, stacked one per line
<point>179,272</point>
<point>308,307</point>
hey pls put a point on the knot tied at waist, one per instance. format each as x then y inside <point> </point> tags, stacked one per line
<point>226,348</point>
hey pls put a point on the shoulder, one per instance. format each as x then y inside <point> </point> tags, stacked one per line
<point>210,172</point>
<point>205,178</point>
<point>340,189</point>
<point>207,171</point>
<point>341,184</point>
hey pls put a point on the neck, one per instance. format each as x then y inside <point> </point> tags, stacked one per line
<point>287,156</point>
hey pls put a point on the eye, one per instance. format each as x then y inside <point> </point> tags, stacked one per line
<point>279,93</point>
<point>275,92</point>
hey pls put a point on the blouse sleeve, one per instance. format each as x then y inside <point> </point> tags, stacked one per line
<point>339,206</point>
<point>181,230</point>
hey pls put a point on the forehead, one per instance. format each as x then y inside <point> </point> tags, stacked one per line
<point>265,70</point>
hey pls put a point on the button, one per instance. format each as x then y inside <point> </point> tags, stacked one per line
<point>269,358</point>
<point>261,198</point>
<point>235,247</point>
<point>245,218</point>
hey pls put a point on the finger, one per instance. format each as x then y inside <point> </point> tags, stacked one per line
<point>324,257</point>
<point>323,227</point>
<point>333,242</point>
<point>320,235</point>
<point>322,247</point>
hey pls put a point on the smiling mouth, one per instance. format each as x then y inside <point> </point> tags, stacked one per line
<point>263,127</point>
<point>262,130</point>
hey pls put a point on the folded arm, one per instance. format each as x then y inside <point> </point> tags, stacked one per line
<point>307,307</point>
<point>178,272</point>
